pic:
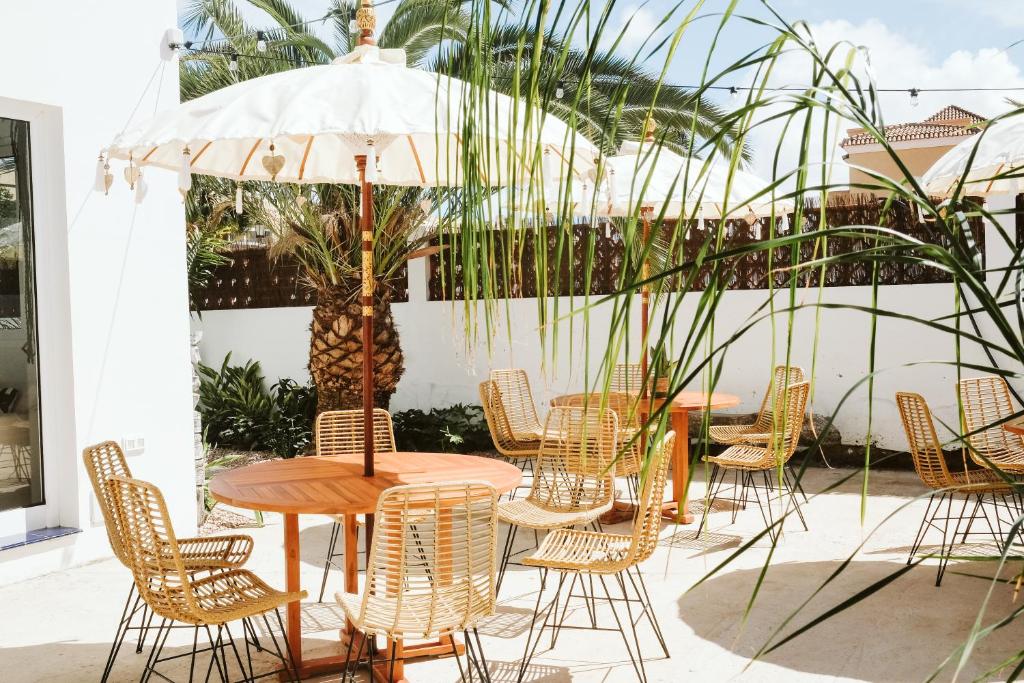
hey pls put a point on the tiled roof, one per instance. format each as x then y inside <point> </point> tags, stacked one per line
<point>950,122</point>
<point>955,113</point>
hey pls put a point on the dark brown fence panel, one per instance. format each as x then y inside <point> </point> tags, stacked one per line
<point>517,279</point>
<point>251,279</point>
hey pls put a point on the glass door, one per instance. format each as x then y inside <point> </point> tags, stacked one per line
<point>21,456</point>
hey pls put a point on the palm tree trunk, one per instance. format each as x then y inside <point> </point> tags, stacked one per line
<point>336,349</point>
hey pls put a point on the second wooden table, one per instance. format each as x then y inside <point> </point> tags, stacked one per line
<point>679,416</point>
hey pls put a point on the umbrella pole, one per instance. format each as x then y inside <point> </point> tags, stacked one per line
<point>645,296</point>
<point>366,229</point>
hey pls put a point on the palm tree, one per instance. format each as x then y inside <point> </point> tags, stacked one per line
<point>319,225</point>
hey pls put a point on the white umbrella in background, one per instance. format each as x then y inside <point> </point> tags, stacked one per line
<point>648,179</point>
<point>365,119</point>
<point>1000,149</point>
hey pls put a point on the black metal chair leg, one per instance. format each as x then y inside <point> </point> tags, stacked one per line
<point>331,547</point>
<point>130,607</point>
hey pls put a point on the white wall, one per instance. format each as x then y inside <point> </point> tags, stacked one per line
<point>439,370</point>
<point>112,295</point>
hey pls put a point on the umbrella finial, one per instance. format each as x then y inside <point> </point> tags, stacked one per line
<point>650,125</point>
<point>366,20</point>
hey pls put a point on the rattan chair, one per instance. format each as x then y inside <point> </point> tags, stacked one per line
<point>768,460</point>
<point>428,579</point>
<point>165,583</point>
<point>627,378</point>
<point>512,419</point>
<point>628,461</point>
<point>586,554</point>
<point>760,431</point>
<point>974,485</point>
<point>511,414</point>
<point>340,432</point>
<point>208,554</point>
<point>574,478</point>
<point>984,401</point>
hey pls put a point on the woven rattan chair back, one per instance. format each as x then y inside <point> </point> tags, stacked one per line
<point>152,550</point>
<point>575,466</point>
<point>647,523</point>
<point>102,461</point>
<point>775,395</point>
<point>497,420</point>
<point>986,400</point>
<point>340,432</point>
<point>925,449</point>
<point>627,378</point>
<point>434,555</point>
<point>788,419</point>
<point>517,401</point>
<point>626,409</point>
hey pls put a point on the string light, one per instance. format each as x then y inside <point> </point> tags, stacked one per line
<point>233,64</point>
<point>914,99</point>
<point>734,90</point>
<point>560,90</point>
<point>261,41</point>
<point>734,93</point>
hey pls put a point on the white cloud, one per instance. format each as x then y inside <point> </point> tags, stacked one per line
<point>897,62</point>
<point>641,25</point>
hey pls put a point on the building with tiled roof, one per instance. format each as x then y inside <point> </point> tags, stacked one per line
<point>919,144</point>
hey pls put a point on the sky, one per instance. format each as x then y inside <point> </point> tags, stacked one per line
<point>911,43</point>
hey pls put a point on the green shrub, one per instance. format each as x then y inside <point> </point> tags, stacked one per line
<point>459,428</point>
<point>238,410</point>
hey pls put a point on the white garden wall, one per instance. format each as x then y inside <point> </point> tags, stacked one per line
<point>112,297</point>
<point>439,371</point>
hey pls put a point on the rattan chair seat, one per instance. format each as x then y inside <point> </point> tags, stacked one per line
<point>529,513</point>
<point>235,594</point>
<point>980,481</point>
<point>409,616</point>
<point>736,434</point>
<point>745,457</point>
<point>584,551</point>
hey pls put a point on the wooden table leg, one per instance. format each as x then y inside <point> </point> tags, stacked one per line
<point>677,509</point>
<point>322,665</point>
<point>291,582</point>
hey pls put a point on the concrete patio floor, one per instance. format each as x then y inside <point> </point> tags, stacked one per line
<point>58,627</point>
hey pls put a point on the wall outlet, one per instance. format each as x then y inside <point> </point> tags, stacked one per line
<point>133,445</point>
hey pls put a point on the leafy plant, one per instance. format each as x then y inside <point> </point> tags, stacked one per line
<point>289,431</point>
<point>239,411</point>
<point>459,428</point>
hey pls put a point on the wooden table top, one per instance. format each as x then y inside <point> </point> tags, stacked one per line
<point>335,485</point>
<point>1015,426</point>
<point>683,402</point>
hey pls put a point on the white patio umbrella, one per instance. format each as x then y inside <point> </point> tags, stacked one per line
<point>1000,150</point>
<point>660,175</point>
<point>365,119</point>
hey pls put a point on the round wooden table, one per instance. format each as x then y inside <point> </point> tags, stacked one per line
<point>335,485</point>
<point>679,416</point>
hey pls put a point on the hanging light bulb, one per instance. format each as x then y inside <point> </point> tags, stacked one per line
<point>353,25</point>
<point>734,93</point>
<point>233,64</point>
<point>238,198</point>
<point>560,90</point>
<point>914,97</point>
<point>261,41</point>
